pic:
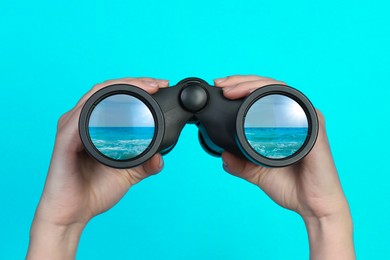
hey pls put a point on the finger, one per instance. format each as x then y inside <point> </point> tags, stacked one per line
<point>320,157</point>
<point>153,166</point>
<point>232,164</point>
<point>68,138</point>
<point>243,89</point>
<point>244,169</point>
<point>241,168</point>
<point>150,85</point>
<point>236,79</point>
<point>162,81</point>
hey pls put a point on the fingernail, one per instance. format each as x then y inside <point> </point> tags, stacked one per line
<point>227,89</point>
<point>161,163</point>
<point>164,82</point>
<point>225,165</point>
<point>219,80</point>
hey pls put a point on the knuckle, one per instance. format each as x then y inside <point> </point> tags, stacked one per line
<point>321,117</point>
<point>61,120</point>
<point>142,79</point>
<point>98,86</point>
<point>101,85</point>
<point>107,82</point>
<point>254,76</point>
<point>241,76</point>
<point>138,81</point>
<point>281,82</point>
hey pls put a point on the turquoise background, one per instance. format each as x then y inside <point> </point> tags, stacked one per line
<point>336,52</point>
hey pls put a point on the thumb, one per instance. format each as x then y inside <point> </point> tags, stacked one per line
<point>153,166</point>
<point>233,164</point>
<point>242,168</point>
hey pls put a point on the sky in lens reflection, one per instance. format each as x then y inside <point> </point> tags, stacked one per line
<point>276,111</point>
<point>121,111</point>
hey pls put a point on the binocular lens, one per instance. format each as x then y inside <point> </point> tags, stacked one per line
<point>121,127</point>
<point>276,126</point>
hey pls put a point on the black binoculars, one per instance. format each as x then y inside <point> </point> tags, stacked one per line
<point>123,126</point>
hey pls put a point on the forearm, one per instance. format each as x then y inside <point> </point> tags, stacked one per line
<point>331,237</point>
<point>51,241</point>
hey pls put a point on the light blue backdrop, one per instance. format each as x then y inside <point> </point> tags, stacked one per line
<point>336,52</point>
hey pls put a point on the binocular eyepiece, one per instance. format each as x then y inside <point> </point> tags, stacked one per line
<point>123,126</point>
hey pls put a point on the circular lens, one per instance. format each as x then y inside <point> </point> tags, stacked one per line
<point>121,127</point>
<point>276,126</point>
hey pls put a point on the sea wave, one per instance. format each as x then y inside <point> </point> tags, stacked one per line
<point>122,149</point>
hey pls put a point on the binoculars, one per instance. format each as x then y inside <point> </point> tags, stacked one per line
<point>123,126</point>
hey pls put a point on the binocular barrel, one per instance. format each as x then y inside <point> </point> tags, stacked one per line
<point>123,126</point>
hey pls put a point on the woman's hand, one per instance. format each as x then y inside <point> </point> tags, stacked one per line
<point>310,187</point>
<point>78,187</point>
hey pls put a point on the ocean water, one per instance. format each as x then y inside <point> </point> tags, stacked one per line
<point>121,143</point>
<point>276,142</point>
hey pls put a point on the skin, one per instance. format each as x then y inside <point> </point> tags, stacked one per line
<point>78,188</point>
<point>310,187</point>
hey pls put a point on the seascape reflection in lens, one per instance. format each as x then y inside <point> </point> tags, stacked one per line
<point>276,126</point>
<point>121,127</point>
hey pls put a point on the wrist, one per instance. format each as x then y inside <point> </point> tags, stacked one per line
<point>331,236</point>
<point>53,241</point>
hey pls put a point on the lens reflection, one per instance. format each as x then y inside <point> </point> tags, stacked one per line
<point>121,127</point>
<point>276,126</point>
